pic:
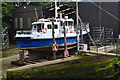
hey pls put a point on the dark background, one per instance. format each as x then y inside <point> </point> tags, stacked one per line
<point>87,11</point>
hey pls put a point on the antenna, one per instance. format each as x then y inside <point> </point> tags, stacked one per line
<point>36,14</point>
<point>56,8</point>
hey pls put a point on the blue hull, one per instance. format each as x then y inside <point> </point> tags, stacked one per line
<point>32,43</point>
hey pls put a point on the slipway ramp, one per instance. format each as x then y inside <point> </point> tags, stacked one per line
<point>102,51</point>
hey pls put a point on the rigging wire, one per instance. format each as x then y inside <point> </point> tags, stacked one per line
<point>104,10</point>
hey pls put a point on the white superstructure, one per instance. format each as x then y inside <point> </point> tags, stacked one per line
<point>43,29</point>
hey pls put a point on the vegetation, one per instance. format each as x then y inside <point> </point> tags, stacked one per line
<point>13,50</point>
<point>87,67</point>
<point>7,8</point>
<point>7,53</point>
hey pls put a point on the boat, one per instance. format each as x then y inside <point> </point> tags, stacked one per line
<point>40,37</point>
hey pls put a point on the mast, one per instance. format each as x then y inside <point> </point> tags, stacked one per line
<point>36,14</point>
<point>53,35</point>
<point>77,26</point>
<point>56,8</point>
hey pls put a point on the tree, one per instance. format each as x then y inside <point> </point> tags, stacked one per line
<point>7,8</point>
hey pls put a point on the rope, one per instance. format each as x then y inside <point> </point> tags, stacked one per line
<point>105,10</point>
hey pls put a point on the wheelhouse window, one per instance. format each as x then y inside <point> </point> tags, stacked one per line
<point>49,26</point>
<point>66,23</point>
<point>39,27</point>
<point>61,23</point>
<point>35,26</point>
<point>56,26</point>
<point>70,23</point>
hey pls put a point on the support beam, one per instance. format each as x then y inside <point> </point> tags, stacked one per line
<point>77,27</point>
<point>21,56</point>
<point>53,35</point>
<point>66,52</point>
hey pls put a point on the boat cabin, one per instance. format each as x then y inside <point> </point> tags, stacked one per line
<point>45,26</point>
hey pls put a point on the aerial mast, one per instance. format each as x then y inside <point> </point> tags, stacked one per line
<point>77,26</point>
<point>56,8</point>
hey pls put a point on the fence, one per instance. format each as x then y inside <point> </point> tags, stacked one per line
<point>4,38</point>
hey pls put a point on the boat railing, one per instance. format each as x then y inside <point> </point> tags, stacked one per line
<point>23,32</point>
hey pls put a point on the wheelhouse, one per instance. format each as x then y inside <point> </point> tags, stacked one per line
<point>45,27</point>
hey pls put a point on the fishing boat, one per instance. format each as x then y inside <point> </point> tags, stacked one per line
<point>40,36</point>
